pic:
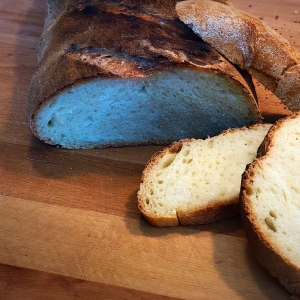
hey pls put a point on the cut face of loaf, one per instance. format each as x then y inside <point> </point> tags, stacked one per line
<point>270,198</point>
<point>198,181</point>
<point>162,108</point>
<point>112,74</point>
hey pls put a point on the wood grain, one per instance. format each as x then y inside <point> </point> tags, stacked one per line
<point>69,224</point>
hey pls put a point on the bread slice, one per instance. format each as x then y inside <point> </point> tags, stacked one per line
<point>248,43</point>
<point>115,74</point>
<point>198,181</point>
<point>270,203</point>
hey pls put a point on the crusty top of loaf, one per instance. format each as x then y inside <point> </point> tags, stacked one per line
<point>243,39</point>
<point>117,39</point>
<point>161,7</point>
<point>247,42</point>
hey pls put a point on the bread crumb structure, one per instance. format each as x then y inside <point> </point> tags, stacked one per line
<point>271,203</point>
<point>198,181</point>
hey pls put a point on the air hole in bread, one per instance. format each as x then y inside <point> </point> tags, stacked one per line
<point>50,123</point>
<point>147,201</point>
<point>176,148</point>
<point>274,191</point>
<point>187,161</point>
<point>167,160</point>
<point>143,89</point>
<point>273,214</point>
<point>269,222</point>
<point>159,181</point>
<point>284,195</point>
<point>296,189</point>
<point>186,152</point>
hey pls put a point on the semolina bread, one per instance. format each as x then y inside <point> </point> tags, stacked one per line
<point>116,73</point>
<point>270,203</point>
<point>195,181</point>
<point>248,43</point>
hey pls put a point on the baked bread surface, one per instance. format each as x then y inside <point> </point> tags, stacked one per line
<point>198,181</point>
<point>113,73</point>
<point>248,43</point>
<point>270,203</point>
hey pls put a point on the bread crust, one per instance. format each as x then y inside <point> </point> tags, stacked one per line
<point>79,44</point>
<point>267,254</point>
<point>248,43</point>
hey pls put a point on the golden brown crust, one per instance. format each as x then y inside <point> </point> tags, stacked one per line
<point>266,253</point>
<point>249,43</point>
<point>205,215</point>
<point>160,221</point>
<point>210,213</point>
<point>117,39</point>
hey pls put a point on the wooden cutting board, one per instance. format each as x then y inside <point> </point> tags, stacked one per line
<point>69,223</point>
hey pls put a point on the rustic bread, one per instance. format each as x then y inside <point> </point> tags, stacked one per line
<point>248,43</point>
<point>270,203</point>
<point>114,73</point>
<point>198,181</point>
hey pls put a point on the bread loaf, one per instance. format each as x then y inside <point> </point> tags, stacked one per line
<point>198,181</point>
<point>270,203</point>
<point>248,43</point>
<point>114,73</point>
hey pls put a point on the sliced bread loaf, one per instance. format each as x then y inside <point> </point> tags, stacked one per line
<point>114,73</point>
<point>198,181</point>
<point>270,203</point>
